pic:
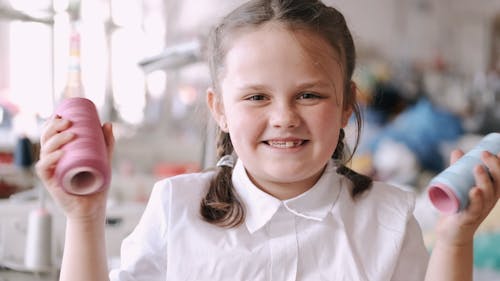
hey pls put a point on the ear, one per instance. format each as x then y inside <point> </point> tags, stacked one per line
<point>349,104</point>
<point>346,115</point>
<point>216,107</point>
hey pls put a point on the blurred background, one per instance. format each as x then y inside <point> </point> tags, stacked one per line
<point>428,74</point>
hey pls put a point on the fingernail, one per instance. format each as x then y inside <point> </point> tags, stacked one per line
<point>58,153</point>
<point>68,135</point>
<point>488,154</point>
<point>479,169</point>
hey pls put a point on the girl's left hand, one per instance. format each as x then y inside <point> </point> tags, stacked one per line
<point>458,229</point>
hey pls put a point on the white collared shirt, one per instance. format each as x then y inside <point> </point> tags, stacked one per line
<point>322,234</point>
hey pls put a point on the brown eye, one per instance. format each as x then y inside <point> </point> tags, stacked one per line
<point>308,95</point>
<point>256,98</point>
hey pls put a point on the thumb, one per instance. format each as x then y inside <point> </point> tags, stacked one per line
<point>109,138</point>
<point>455,155</point>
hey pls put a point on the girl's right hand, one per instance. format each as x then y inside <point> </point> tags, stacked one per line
<point>76,207</point>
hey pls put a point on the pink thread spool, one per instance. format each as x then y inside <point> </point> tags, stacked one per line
<point>84,167</point>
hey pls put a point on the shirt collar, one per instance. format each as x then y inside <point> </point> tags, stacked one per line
<point>260,207</point>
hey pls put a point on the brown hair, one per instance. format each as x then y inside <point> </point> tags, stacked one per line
<point>221,205</point>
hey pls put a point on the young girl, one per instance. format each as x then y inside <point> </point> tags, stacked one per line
<point>281,205</point>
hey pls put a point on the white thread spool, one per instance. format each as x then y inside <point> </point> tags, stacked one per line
<point>449,190</point>
<point>38,252</point>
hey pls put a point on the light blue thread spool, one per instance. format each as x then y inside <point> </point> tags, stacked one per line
<point>449,190</point>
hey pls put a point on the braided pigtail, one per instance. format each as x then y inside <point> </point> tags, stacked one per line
<point>360,182</point>
<point>221,206</point>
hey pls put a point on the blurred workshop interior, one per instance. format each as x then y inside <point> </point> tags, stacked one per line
<point>428,78</point>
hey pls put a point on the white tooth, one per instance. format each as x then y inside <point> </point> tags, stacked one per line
<point>276,143</point>
<point>285,144</point>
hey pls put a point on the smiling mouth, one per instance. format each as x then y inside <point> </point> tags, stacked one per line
<point>285,143</point>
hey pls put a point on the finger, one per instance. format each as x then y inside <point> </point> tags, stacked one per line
<point>56,142</point>
<point>476,204</point>
<point>53,126</point>
<point>107,129</point>
<point>455,155</point>
<point>45,166</point>
<point>49,120</point>
<point>484,182</point>
<point>493,163</point>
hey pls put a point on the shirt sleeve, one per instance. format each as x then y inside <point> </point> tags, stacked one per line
<point>414,257</point>
<point>144,251</point>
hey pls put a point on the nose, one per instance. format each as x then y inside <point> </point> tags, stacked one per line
<point>284,116</point>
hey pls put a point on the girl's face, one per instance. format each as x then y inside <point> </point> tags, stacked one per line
<point>282,106</point>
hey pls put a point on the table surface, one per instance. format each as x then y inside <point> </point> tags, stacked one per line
<point>9,275</point>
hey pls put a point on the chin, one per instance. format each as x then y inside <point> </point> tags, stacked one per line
<point>290,175</point>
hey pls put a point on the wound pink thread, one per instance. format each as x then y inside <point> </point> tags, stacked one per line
<point>84,167</point>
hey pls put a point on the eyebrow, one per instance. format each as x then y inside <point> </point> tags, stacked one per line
<point>253,87</point>
<point>305,85</point>
<point>316,84</point>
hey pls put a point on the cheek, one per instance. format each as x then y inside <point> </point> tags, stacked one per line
<point>326,121</point>
<point>238,118</point>
<point>243,125</point>
<point>326,126</point>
